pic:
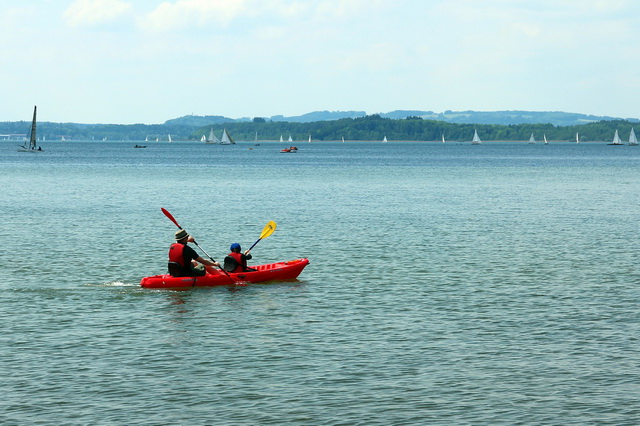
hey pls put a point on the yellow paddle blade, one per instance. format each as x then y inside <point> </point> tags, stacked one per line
<point>268,229</point>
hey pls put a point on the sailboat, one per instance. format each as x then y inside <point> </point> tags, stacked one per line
<point>309,138</point>
<point>577,138</point>
<point>170,140</point>
<point>226,138</point>
<point>633,141</point>
<point>281,140</point>
<point>616,139</point>
<point>476,139</point>
<point>532,140</point>
<point>545,139</point>
<point>443,138</point>
<point>31,147</point>
<point>212,138</point>
<point>384,139</point>
<point>343,139</point>
<point>203,138</point>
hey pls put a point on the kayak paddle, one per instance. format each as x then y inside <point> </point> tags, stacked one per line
<point>172,219</point>
<point>268,230</point>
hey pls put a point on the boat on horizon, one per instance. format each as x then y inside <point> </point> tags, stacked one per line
<point>31,146</point>
<point>633,141</point>
<point>212,138</point>
<point>532,140</point>
<point>616,139</point>
<point>476,139</point>
<point>226,138</point>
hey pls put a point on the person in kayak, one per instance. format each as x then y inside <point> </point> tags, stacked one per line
<point>236,261</point>
<point>184,261</point>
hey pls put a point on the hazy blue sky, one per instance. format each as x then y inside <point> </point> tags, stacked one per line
<point>145,61</point>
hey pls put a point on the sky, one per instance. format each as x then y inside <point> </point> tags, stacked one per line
<point>145,61</point>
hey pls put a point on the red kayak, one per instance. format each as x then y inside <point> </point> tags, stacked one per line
<point>288,270</point>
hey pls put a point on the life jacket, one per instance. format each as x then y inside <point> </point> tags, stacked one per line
<point>176,260</point>
<point>240,265</point>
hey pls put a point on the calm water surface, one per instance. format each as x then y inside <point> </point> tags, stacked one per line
<point>448,284</point>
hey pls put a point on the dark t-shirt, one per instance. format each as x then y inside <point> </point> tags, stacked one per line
<point>188,254</point>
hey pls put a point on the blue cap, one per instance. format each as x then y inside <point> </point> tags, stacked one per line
<point>235,246</point>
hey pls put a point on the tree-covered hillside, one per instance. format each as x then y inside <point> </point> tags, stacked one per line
<point>374,127</point>
<point>371,127</point>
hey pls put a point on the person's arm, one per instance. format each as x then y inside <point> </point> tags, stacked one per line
<point>206,261</point>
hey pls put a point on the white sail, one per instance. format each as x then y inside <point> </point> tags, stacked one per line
<point>476,139</point>
<point>343,139</point>
<point>632,138</point>
<point>212,137</point>
<point>290,140</point>
<point>532,140</point>
<point>309,138</point>
<point>384,139</point>
<point>545,139</point>
<point>203,139</point>
<point>281,140</point>
<point>443,138</point>
<point>577,138</point>
<point>616,139</point>
<point>170,140</point>
<point>226,138</point>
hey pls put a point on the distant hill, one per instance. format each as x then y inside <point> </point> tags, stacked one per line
<point>410,125</point>
<point>319,116</point>
<point>199,120</point>
<point>557,118</point>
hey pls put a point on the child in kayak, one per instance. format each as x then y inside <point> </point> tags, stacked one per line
<point>236,261</point>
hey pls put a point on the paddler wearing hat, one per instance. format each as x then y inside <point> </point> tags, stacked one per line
<point>185,261</point>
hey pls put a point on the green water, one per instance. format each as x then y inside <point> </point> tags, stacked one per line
<point>448,284</point>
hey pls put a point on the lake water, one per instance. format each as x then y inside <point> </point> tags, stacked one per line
<point>448,284</point>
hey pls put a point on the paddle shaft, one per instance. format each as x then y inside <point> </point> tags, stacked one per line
<point>254,244</point>
<point>173,219</point>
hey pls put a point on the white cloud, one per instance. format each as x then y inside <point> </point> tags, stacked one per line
<point>180,14</point>
<point>92,12</point>
<point>184,13</point>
